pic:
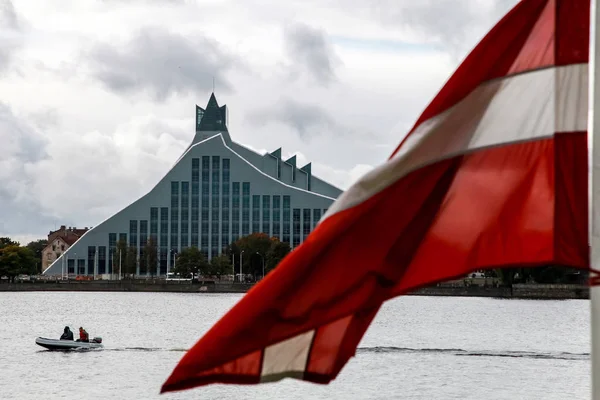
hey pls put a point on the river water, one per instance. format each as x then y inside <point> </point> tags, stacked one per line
<point>417,348</point>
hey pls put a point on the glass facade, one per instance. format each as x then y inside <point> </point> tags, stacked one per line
<point>112,246</point>
<point>215,196</point>
<point>205,205</point>
<point>286,220</point>
<point>277,217</point>
<point>164,239</point>
<point>296,227</point>
<point>225,180</point>
<point>133,236</point>
<point>102,259</point>
<point>255,213</point>
<point>195,203</point>
<point>185,214</point>
<point>245,208</point>
<point>81,266</point>
<point>154,224</point>
<point>174,214</point>
<point>306,226</point>
<point>143,243</point>
<point>235,211</point>
<point>91,261</point>
<point>210,212</point>
<point>316,217</point>
<point>266,214</point>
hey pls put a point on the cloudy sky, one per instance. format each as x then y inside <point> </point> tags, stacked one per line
<point>97,97</point>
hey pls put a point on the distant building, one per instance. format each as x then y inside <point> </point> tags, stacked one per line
<point>217,192</point>
<point>59,241</point>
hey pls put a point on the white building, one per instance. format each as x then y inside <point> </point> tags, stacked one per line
<point>217,192</point>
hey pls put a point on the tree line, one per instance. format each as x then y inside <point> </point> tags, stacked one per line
<point>252,256</point>
<point>18,260</point>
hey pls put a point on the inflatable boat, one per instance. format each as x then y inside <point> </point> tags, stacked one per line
<point>56,344</point>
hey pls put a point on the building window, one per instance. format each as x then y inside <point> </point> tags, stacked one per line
<point>306,226</point>
<point>154,224</point>
<point>255,213</point>
<point>286,220</point>
<point>101,260</point>
<point>185,214</point>
<point>71,266</point>
<point>133,229</point>
<point>296,227</point>
<point>276,216</point>
<point>245,208</point>
<point>164,239</point>
<point>91,261</point>
<point>174,215</point>
<point>81,266</point>
<point>266,214</point>
<point>62,247</point>
<point>216,182</point>
<point>205,204</point>
<point>316,217</point>
<point>225,204</point>
<point>235,211</point>
<point>112,246</point>
<point>53,247</point>
<point>195,202</point>
<point>143,243</point>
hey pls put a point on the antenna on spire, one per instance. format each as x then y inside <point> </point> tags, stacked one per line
<point>213,84</point>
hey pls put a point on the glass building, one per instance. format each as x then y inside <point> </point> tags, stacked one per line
<point>217,192</point>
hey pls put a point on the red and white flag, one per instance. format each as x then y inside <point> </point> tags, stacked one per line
<point>492,175</point>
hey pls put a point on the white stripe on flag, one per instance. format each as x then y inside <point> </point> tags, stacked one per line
<point>287,358</point>
<point>527,106</point>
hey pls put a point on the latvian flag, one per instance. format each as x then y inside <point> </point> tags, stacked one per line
<point>494,174</point>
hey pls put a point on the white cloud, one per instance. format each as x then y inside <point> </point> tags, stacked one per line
<point>84,107</point>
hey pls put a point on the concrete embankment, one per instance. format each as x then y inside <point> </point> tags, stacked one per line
<point>519,291</point>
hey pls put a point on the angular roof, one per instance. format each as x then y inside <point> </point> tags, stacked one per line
<point>213,118</point>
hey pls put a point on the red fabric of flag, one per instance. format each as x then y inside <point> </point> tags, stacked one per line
<point>492,175</point>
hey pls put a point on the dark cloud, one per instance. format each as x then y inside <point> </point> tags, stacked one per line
<point>21,147</point>
<point>308,47</point>
<point>305,119</point>
<point>163,64</point>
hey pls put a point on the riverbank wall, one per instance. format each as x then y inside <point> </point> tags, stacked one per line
<point>517,291</point>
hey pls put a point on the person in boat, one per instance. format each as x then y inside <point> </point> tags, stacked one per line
<point>83,335</point>
<point>67,334</point>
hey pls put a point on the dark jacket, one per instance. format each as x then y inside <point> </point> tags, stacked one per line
<point>67,334</point>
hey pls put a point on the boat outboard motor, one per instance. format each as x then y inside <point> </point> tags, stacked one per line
<point>97,339</point>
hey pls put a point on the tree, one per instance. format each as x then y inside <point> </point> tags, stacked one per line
<point>220,265</point>
<point>259,248</point>
<point>37,247</point>
<point>119,257</point>
<point>254,243</point>
<point>151,256</point>
<point>6,241</point>
<point>16,260</point>
<point>130,266</point>
<point>276,253</point>
<point>190,262</point>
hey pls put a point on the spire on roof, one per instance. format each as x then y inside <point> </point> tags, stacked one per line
<point>214,117</point>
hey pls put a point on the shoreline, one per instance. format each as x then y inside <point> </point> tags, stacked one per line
<point>517,291</point>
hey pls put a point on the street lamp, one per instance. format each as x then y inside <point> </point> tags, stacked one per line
<point>169,261</point>
<point>263,264</point>
<point>241,265</point>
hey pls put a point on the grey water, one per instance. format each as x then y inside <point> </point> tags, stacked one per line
<point>416,348</point>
